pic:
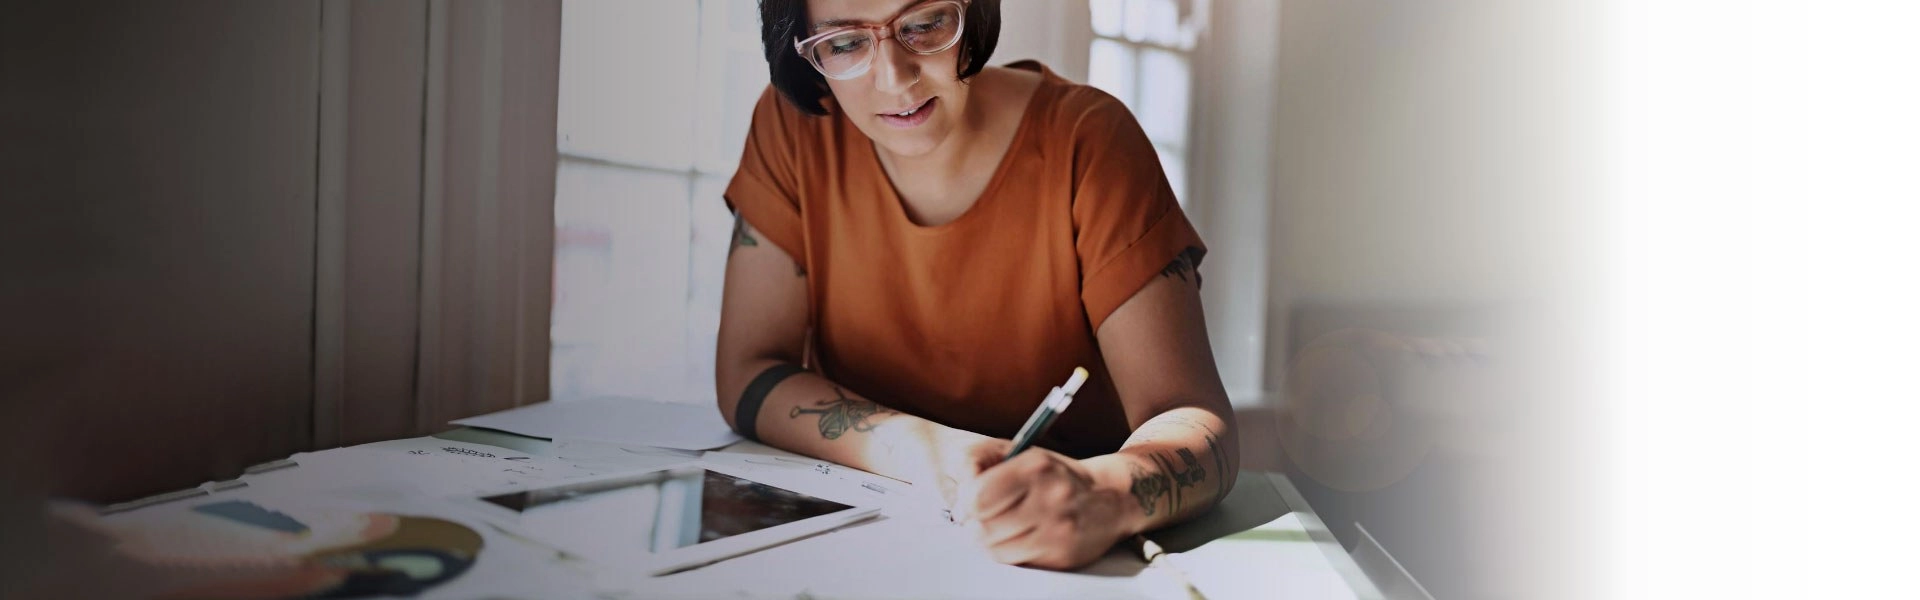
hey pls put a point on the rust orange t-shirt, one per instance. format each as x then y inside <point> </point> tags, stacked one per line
<point>969,323</point>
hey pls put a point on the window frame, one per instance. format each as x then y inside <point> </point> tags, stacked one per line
<point>1187,46</point>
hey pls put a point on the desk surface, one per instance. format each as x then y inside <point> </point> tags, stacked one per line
<point>1263,542</point>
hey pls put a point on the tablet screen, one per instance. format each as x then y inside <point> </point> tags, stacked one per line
<point>660,511</point>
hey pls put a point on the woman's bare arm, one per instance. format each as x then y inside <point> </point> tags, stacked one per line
<point>763,326</point>
<point>1184,452</point>
<point>1047,510</point>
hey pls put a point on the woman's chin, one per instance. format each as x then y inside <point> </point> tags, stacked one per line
<point>910,144</point>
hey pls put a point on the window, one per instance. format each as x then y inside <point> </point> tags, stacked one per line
<point>1142,53</point>
<point>641,232</point>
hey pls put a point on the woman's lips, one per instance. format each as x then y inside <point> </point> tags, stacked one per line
<point>919,115</point>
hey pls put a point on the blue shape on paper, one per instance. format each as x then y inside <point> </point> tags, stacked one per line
<point>252,514</point>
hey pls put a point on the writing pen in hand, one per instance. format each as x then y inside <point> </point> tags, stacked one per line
<point>1055,402</point>
<point>1050,408</point>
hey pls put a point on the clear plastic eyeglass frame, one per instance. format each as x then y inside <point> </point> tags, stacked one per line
<point>879,32</point>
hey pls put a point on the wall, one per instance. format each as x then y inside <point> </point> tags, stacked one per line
<point>1420,155</point>
<point>1236,72</point>
<point>238,230</point>
<point>1424,183</point>
<point>1054,33</point>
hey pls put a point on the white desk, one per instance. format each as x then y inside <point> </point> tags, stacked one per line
<point>896,556</point>
<point>1273,547</point>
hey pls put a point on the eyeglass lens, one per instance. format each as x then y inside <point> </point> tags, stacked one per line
<point>925,30</point>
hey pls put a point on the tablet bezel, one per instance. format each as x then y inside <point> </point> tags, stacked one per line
<point>859,508</point>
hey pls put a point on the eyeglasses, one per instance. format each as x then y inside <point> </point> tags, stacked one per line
<point>846,52</point>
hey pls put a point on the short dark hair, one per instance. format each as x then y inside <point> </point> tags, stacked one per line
<point>783,21</point>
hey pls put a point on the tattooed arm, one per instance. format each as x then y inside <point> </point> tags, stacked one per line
<point>1184,454</point>
<point>766,393</point>
<point>1044,509</point>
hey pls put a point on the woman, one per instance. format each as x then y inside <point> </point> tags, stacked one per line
<point>924,246</point>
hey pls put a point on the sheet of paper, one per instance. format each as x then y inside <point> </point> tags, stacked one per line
<point>911,551</point>
<point>1277,560</point>
<point>438,468</point>
<point>904,557</point>
<point>625,421</point>
<point>605,457</point>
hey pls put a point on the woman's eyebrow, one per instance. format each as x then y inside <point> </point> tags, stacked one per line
<point>849,22</point>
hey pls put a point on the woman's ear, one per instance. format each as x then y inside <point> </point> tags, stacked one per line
<point>964,62</point>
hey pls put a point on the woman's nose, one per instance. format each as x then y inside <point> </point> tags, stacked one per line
<point>894,68</point>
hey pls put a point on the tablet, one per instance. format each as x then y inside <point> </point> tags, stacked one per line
<point>670,519</point>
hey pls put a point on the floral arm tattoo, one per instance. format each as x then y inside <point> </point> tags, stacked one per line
<point>841,414</point>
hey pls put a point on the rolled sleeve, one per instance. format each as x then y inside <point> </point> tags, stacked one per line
<point>1112,284</point>
<point>764,189</point>
<point>1128,222</point>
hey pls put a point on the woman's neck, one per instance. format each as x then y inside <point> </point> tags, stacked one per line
<point>942,185</point>
<point>997,99</point>
<point>955,155</point>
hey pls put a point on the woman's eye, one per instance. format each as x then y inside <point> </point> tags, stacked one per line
<point>845,46</point>
<point>925,26</point>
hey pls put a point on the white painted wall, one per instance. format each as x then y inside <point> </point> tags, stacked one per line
<point>1054,32</point>
<point>1419,154</point>
<point>1236,71</point>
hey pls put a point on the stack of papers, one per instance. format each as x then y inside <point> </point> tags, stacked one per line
<point>622,421</point>
<point>439,468</point>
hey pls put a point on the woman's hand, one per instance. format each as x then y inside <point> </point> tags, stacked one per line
<point>960,456</point>
<point>1045,510</point>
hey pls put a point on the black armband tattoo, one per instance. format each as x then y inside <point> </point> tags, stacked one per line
<point>748,410</point>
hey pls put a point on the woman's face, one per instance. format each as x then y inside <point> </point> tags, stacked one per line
<point>926,87</point>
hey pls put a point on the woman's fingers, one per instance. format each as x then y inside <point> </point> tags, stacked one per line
<point>1018,549</point>
<point>986,454</point>
<point>1035,510</point>
<point>1056,546</point>
<point>1001,488</point>
<point>993,533</point>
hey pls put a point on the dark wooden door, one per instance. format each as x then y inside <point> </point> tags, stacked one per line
<point>159,227</point>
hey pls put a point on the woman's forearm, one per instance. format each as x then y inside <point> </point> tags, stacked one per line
<point>808,414</point>
<point>1174,467</point>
